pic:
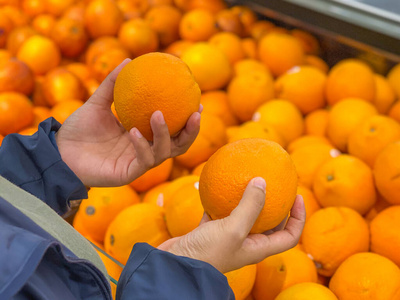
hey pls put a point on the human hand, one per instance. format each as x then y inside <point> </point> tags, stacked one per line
<point>226,243</point>
<point>98,149</point>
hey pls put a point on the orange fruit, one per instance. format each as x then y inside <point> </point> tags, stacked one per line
<point>316,122</point>
<point>309,42</point>
<point>247,92</point>
<point>242,281</point>
<point>393,78</point>
<point>281,271</point>
<point>229,21</point>
<point>6,25</point>
<point>80,70</point>
<point>308,159</point>
<point>184,211</point>
<point>155,195</point>
<point>394,111</point>
<point>366,276</point>
<point>75,12</point>
<point>1,139</point>
<point>17,16</point>
<point>230,44</point>
<point>127,229</point>
<point>132,9</point>
<point>28,130</point>
<point>177,48</point>
<point>238,163</point>
<point>102,18</point>
<point>385,95</point>
<point>197,170</point>
<point>154,3</point>
<point>213,6</point>
<point>333,234</point>
<point>153,177</point>
<point>310,202</point>
<point>306,140</point>
<point>114,270</point>
<point>56,7</point>
<point>211,137</point>
<point>249,46</point>
<point>138,37</point>
<point>60,84</point>
<point>246,16</point>
<point>165,20</point>
<point>344,117</point>
<point>44,24</point>
<point>17,37</point>
<point>350,70</point>
<point>379,205</point>
<point>384,236</point>
<point>41,54</point>
<point>370,137</point>
<point>70,36</point>
<point>102,206</point>
<point>209,65</point>
<point>303,86</point>
<point>280,52</point>
<point>249,65</point>
<point>91,86</point>
<point>386,173</point>
<point>284,116</point>
<point>41,113</point>
<point>251,129</point>
<point>38,97</point>
<point>15,76</point>
<point>16,111</point>
<point>345,181</point>
<point>217,104</point>
<point>146,84</point>
<point>99,46</point>
<point>197,25</point>
<point>175,185</point>
<point>317,62</point>
<point>5,55</point>
<point>306,291</point>
<point>62,110</point>
<point>260,28</point>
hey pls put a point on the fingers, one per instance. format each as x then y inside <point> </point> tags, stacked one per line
<point>144,156</point>
<point>104,94</point>
<point>206,218</point>
<point>161,138</point>
<point>186,137</point>
<point>246,213</point>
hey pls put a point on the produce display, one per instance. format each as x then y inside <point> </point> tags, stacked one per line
<point>272,107</point>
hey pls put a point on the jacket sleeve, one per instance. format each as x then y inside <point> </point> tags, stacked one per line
<point>154,274</point>
<point>34,164</point>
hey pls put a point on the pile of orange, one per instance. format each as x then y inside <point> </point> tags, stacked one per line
<point>338,123</point>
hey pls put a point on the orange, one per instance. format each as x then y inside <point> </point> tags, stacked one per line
<point>38,97</point>
<point>248,65</point>
<point>138,37</point>
<point>251,129</point>
<point>6,25</point>
<point>242,280</point>
<point>5,55</point>
<point>344,117</point>
<point>127,229</point>
<point>75,12</point>
<point>17,37</point>
<point>316,122</point>
<point>164,20</point>
<point>153,177</point>
<point>175,185</point>
<point>184,210</point>
<point>106,62</point>
<point>386,173</point>
<point>229,21</point>
<point>281,271</point>
<point>99,46</point>
<point>333,234</point>
<point>155,81</point>
<point>102,206</point>
<point>370,137</point>
<point>260,28</point>
<point>394,111</point>
<point>209,65</point>
<point>379,205</point>
<point>15,76</point>
<point>308,159</point>
<point>280,52</point>
<point>230,44</point>
<point>385,95</point>
<point>103,17</point>
<point>306,291</point>
<point>16,111</point>
<point>366,276</point>
<point>41,54</point>
<point>60,84</point>
<point>91,86</point>
<point>284,116</point>
<point>197,170</point>
<point>306,140</point>
<point>309,42</point>
<point>70,36</point>
<point>249,46</point>
<point>227,173</point>
<point>177,48</point>
<point>41,113</point>
<point>153,3</point>
<point>155,195</point>
<point>56,7</point>
<point>211,137</point>
<point>1,139</point>
<point>197,25</point>
<point>44,24</point>
<point>80,70</point>
<point>62,110</point>
<point>247,92</point>
<point>213,6</point>
<point>132,9</point>
<point>28,130</point>
<point>315,61</point>
<point>310,202</point>
<point>393,78</point>
<point>114,270</point>
<point>353,71</point>
<point>217,104</point>
<point>303,86</point>
<point>17,16</point>
<point>345,181</point>
<point>246,16</point>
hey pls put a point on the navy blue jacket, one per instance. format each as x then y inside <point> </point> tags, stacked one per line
<point>34,265</point>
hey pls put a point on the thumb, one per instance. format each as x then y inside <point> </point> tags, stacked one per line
<point>246,213</point>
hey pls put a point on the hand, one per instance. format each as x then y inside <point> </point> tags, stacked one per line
<point>226,243</point>
<point>101,152</point>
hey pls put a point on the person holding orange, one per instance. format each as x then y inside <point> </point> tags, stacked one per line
<point>42,257</point>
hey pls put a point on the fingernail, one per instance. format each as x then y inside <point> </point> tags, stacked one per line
<point>256,117</point>
<point>201,108</point>
<point>197,118</point>
<point>301,199</point>
<point>160,117</point>
<point>137,133</point>
<point>260,183</point>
